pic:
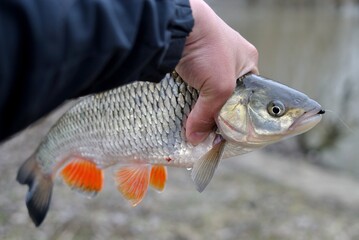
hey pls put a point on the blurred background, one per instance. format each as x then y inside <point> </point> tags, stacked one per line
<point>303,188</point>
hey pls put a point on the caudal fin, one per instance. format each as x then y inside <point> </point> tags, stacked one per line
<point>40,189</point>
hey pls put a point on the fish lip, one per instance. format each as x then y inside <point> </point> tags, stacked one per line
<point>309,118</point>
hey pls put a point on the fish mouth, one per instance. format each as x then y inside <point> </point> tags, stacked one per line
<point>307,121</point>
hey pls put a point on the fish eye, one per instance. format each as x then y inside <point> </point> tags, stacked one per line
<point>276,108</point>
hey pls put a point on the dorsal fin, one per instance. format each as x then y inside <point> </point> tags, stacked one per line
<point>158,177</point>
<point>83,175</point>
<point>133,182</point>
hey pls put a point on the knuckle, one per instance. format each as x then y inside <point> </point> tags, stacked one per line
<point>226,89</point>
<point>252,65</point>
<point>253,52</point>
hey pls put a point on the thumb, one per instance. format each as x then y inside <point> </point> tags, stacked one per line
<point>201,120</point>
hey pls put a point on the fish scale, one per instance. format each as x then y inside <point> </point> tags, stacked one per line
<point>142,120</point>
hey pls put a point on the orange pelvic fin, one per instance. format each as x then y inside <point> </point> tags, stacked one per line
<point>83,175</point>
<point>158,177</point>
<point>133,181</point>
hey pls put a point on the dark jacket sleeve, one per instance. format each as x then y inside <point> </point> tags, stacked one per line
<point>53,50</point>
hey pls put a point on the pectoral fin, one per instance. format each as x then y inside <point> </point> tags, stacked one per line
<point>204,168</point>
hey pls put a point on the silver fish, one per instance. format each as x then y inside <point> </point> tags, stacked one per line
<point>140,128</point>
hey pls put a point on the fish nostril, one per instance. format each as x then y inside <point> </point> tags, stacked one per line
<point>321,111</point>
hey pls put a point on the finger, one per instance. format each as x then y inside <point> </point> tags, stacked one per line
<point>201,120</point>
<point>255,70</point>
<point>199,123</point>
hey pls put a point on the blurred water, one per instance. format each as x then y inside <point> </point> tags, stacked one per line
<point>315,48</point>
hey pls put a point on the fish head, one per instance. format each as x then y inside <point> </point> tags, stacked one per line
<point>262,111</point>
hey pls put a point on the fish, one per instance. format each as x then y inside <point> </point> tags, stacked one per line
<point>140,128</point>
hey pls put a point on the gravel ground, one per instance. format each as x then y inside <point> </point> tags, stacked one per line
<point>257,196</point>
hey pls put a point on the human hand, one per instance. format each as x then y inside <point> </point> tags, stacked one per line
<point>214,56</point>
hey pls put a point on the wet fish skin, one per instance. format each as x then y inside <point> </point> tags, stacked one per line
<point>140,128</point>
<point>141,122</point>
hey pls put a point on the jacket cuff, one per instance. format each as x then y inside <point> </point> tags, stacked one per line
<point>179,28</point>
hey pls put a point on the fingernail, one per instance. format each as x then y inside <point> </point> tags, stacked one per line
<point>196,137</point>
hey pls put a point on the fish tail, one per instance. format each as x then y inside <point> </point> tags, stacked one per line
<point>40,189</point>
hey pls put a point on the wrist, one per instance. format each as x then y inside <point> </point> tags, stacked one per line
<point>204,18</point>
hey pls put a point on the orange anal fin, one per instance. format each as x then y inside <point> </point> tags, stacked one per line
<point>158,177</point>
<point>132,182</point>
<point>83,175</point>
